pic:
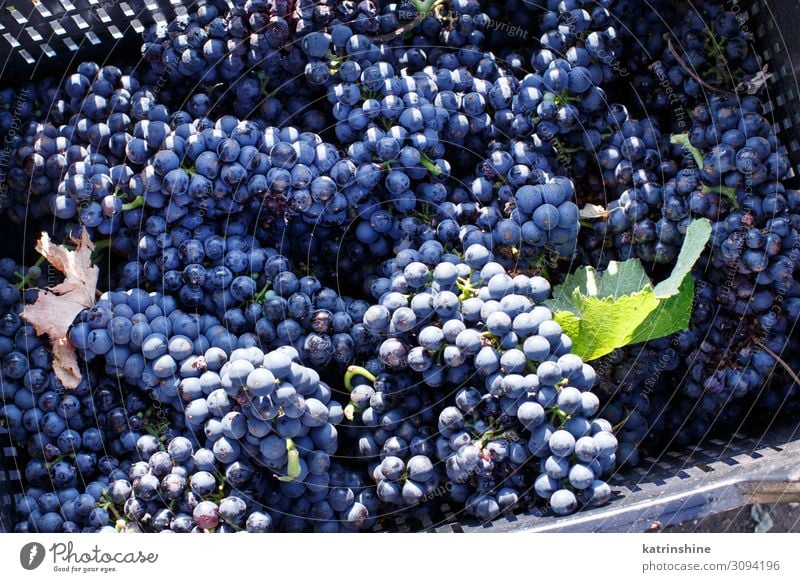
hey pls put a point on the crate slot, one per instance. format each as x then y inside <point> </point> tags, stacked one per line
<point>43,10</point>
<point>11,40</point>
<point>102,15</point>
<point>17,15</point>
<point>34,34</point>
<point>80,22</point>
<point>93,38</point>
<point>27,56</point>
<point>57,28</point>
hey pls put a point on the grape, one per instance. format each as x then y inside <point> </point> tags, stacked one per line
<point>563,502</point>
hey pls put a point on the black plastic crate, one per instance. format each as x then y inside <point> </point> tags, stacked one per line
<point>9,483</point>
<point>665,488</point>
<point>39,35</point>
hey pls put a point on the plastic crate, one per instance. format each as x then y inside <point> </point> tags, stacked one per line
<point>37,35</point>
<point>666,488</point>
<point>9,483</point>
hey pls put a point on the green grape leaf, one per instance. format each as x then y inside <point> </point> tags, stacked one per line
<point>562,294</point>
<point>605,311</point>
<point>672,314</point>
<point>697,234</point>
<point>605,324</point>
<point>621,279</point>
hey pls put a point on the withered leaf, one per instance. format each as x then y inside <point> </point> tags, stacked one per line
<point>590,211</point>
<point>55,308</point>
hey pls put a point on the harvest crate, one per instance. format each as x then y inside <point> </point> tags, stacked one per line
<point>667,487</point>
<point>39,35</point>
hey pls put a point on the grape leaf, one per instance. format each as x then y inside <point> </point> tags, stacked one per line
<point>605,311</point>
<point>672,314</point>
<point>562,294</point>
<point>606,323</point>
<point>621,279</point>
<point>55,308</point>
<point>697,234</point>
<point>590,211</point>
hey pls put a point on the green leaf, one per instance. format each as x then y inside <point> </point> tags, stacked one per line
<point>697,234</point>
<point>671,315</point>
<point>605,311</point>
<point>727,191</point>
<point>605,324</point>
<point>621,279</point>
<point>682,139</point>
<point>562,294</point>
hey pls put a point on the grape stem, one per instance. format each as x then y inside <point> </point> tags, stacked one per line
<point>778,359</point>
<point>25,280</point>
<point>100,247</point>
<point>350,411</point>
<point>137,202</point>
<point>261,295</point>
<point>352,372</point>
<point>559,414</point>
<point>492,434</point>
<point>617,427</point>
<point>430,166</point>
<point>726,191</point>
<point>293,469</point>
<point>108,505</point>
<point>690,71</point>
<point>467,289</point>
<point>682,139</point>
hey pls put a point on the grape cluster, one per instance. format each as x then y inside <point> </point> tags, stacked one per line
<point>72,440</point>
<point>504,382</point>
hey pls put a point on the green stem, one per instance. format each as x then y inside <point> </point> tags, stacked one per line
<point>99,248</point>
<point>726,191</point>
<point>109,505</point>
<point>350,411</point>
<point>559,414</point>
<point>137,202</point>
<point>293,469</point>
<point>682,139</point>
<point>352,372</point>
<point>261,295</point>
<point>467,289</point>
<point>25,280</point>
<point>430,166</point>
<point>491,434</point>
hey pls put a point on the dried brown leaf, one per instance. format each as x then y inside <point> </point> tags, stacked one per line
<point>56,308</point>
<point>590,211</point>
